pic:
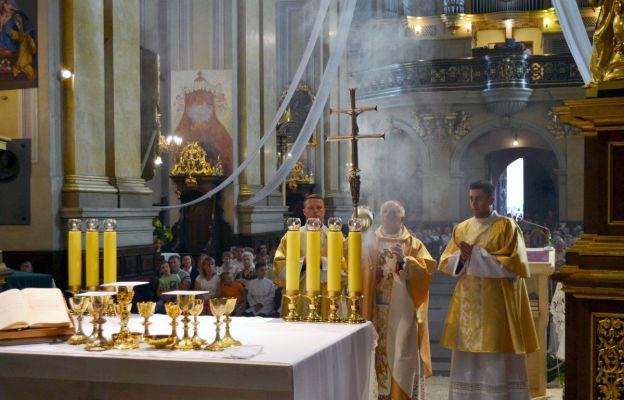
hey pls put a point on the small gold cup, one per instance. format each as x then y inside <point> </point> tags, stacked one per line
<point>228,340</point>
<point>173,311</point>
<point>217,306</point>
<point>146,310</point>
<point>97,341</point>
<point>78,306</point>
<point>197,309</point>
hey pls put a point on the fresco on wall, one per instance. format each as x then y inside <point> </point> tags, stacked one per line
<point>18,44</point>
<point>201,111</point>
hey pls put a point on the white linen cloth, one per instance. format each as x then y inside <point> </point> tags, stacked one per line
<point>317,360</point>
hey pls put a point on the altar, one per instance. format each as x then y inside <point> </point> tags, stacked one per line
<point>295,361</point>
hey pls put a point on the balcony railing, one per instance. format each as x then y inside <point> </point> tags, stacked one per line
<point>490,6</point>
<point>539,71</point>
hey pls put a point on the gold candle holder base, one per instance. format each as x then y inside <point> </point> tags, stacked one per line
<point>292,296</point>
<point>334,298</point>
<point>354,311</point>
<point>313,296</point>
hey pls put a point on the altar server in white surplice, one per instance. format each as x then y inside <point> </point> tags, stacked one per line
<point>489,325</point>
<point>260,293</point>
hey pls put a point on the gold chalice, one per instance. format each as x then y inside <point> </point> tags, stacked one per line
<point>173,311</point>
<point>97,307</point>
<point>79,305</point>
<point>217,306</point>
<point>228,340</point>
<point>186,303</point>
<point>195,311</point>
<point>146,310</point>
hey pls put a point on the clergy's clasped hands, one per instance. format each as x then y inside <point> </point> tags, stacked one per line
<point>466,250</point>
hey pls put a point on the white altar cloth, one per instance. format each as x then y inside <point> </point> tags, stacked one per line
<point>297,361</point>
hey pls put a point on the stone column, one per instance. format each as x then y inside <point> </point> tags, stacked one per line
<point>123,106</point>
<point>85,183</point>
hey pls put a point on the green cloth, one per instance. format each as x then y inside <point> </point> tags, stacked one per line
<point>171,282</point>
<point>21,280</point>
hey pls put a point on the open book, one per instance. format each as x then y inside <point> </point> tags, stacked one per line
<point>33,308</point>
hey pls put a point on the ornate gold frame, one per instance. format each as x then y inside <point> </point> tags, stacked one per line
<point>593,345</point>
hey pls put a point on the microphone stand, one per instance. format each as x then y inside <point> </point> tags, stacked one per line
<point>545,229</point>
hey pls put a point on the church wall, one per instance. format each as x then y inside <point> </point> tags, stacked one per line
<point>44,231</point>
<point>530,35</point>
<point>489,36</point>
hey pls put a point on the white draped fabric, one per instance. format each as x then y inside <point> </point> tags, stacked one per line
<point>297,360</point>
<point>575,34</point>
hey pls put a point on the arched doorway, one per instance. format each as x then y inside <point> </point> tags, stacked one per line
<point>539,180</point>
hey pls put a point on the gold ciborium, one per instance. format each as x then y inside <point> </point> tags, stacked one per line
<point>173,311</point>
<point>217,306</point>
<point>186,303</point>
<point>146,310</point>
<point>228,340</point>
<point>79,305</point>
<point>124,340</point>
<point>198,307</point>
<point>97,307</point>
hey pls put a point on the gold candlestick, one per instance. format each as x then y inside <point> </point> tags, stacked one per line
<point>173,311</point>
<point>146,310</point>
<point>78,306</point>
<point>334,298</point>
<point>292,296</point>
<point>228,340</point>
<point>198,307</point>
<point>354,312</point>
<point>313,315</point>
<point>97,341</point>
<point>217,306</point>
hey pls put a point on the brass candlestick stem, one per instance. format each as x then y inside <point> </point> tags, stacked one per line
<point>124,340</point>
<point>186,302</point>
<point>292,296</point>
<point>97,341</point>
<point>78,306</point>
<point>198,307</point>
<point>313,315</point>
<point>228,340</point>
<point>217,306</point>
<point>146,310</point>
<point>334,298</point>
<point>173,311</point>
<point>354,311</point>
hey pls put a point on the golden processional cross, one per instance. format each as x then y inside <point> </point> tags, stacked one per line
<point>354,171</point>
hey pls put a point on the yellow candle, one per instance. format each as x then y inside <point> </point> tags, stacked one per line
<point>334,260</point>
<point>93,259</point>
<point>293,242</point>
<point>313,260</point>
<point>110,256</point>
<point>354,277</point>
<point>74,259</point>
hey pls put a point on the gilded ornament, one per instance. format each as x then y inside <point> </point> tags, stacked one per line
<point>194,162</point>
<point>607,59</point>
<point>297,176</point>
<point>610,358</point>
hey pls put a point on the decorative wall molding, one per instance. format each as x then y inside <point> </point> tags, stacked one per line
<point>558,129</point>
<point>442,126</point>
<point>609,378</point>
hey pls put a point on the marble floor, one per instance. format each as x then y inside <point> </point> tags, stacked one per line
<point>437,389</point>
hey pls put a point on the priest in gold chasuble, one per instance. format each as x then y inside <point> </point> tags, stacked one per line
<point>489,325</point>
<point>397,271</point>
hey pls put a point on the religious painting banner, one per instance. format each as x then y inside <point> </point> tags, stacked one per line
<point>201,112</point>
<point>18,44</point>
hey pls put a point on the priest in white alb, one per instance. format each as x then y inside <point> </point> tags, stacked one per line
<point>489,325</point>
<point>397,271</point>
